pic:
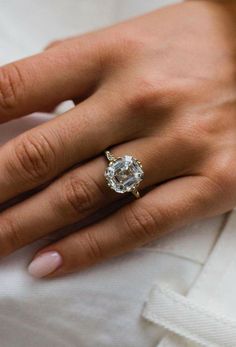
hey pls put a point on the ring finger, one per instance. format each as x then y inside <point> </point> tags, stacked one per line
<point>81,192</point>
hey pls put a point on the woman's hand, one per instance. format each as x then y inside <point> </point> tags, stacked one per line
<point>161,88</point>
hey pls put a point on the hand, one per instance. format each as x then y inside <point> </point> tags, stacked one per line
<point>162,88</point>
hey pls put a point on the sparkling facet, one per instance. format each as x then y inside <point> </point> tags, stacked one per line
<point>124,174</point>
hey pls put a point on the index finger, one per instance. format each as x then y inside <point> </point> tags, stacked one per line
<point>46,79</point>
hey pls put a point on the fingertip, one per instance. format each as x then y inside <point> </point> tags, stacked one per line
<point>45,264</point>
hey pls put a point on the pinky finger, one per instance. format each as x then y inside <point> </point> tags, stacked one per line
<point>165,208</point>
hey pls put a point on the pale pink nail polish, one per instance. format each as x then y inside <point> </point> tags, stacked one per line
<point>45,264</point>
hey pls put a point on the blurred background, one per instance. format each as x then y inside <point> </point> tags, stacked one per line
<point>27,26</point>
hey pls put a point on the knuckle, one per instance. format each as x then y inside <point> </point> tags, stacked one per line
<point>150,94</point>
<point>184,140</point>
<point>189,140</point>
<point>224,173</point>
<point>79,195</point>
<point>11,86</point>
<point>144,95</point>
<point>129,43</point>
<point>10,236</point>
<point>141,223</point>
<point>35,158</point>
<point>93,247</point>
<point>120,47</point>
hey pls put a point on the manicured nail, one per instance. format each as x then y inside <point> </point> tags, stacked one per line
<point>45,264</point>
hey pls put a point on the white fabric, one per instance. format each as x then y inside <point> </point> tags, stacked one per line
<point>208,314</point>
<point>101,306</point>
<point>188,319</point>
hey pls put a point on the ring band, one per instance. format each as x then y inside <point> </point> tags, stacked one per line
<point>124,174</point>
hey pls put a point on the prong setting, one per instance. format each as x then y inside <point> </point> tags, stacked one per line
<point>124,174</point>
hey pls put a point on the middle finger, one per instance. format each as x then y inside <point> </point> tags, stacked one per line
<point>42,153</point>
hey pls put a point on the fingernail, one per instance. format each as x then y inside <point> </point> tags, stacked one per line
<point>45,264</point>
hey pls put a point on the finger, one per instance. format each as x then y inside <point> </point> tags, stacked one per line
<point>44,152</point>
<point>54,44</point>
<point>76,195</point>
<point>68,200</point>
<point>44,80</point>
<point>162,210</point>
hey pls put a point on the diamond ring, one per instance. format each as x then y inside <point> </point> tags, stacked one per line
<point>124,174</point>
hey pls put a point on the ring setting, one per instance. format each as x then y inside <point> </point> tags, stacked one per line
<point>124,174</point>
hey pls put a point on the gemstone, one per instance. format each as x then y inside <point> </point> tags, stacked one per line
<point>124,174</point>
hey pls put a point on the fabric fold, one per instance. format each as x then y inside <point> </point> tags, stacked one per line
<point>188,319</point>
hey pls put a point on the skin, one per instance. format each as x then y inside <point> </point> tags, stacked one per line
<point>161,87</point>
